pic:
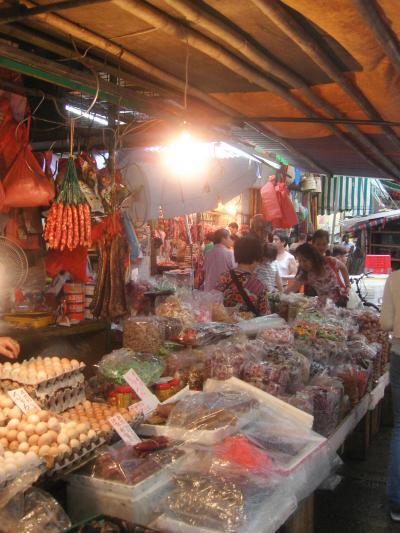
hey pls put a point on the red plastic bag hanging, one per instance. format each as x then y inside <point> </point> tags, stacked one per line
<point>289,216</point>
<point>25,184</point>
<point>271,209</point>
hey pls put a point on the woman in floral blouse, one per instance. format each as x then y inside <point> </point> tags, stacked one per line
<point>317,276</point>
<point>240,286</point>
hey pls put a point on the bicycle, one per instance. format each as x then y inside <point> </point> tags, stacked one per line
<point>362,294</point>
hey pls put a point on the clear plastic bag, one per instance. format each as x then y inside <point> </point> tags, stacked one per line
<point>33,511</point>
<point>114,365</point>
<point>211,410</point>
<point>227,358</point>
<point>228,488</point>
<point>132,465</point>
<point>283,335</point>
<point>327,395</point>
<point>207,333</point>
<point>255,326</point>
<point>143,334</point>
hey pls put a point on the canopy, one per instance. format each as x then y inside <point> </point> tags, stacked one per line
<point>370,221</point>
<point>315,81</point>
<point>156,185</point>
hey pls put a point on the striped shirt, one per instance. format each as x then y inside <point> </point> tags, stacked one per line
<point>266,273</point>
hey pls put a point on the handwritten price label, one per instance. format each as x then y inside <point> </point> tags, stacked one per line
<point>124,430</point>
<point>22,400</point>
<point>148,400</point>
<point>136,409</point>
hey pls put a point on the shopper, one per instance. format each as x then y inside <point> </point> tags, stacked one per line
<point>317,277</point>
<point>347,244</point>
<point>234,229</point>
<point>258,229</point>
<point>287,266</point>
<point>240,285</point>
<point>9,348</point>
<point>208,242</point>
<point>267,270</point>
<point>219,259</point>
<point>301,240</point>
<point>320,241</point>
<point>390,321</point>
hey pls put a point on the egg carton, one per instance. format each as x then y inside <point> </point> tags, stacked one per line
<point>68,462</point>
<point>63,399</point>
<point>45,383</point>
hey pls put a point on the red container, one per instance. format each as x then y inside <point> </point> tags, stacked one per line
<point>77,317</point>
<point>378,264</point>
<point>75,298</point>
<point>76,308</point>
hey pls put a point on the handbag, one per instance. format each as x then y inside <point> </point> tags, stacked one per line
<point>250,306</point>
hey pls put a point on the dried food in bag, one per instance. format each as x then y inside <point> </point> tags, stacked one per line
<point>143,334</point>
<point>114,365</point>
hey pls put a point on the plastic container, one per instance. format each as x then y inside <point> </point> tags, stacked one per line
<point>77,298</point>
<point>76,317</point>
<point>378,264</point>
<point>88,496</point>
<point>75,308</point>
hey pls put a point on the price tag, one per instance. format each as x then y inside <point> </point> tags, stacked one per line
<point>149,400</point>
<point>22,400</point>
<point>136,409</point>
<point>124,430</point>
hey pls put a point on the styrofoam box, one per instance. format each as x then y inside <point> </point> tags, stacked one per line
<point>88,496</point>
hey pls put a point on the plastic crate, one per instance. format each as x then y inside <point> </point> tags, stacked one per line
<point>378,264</point>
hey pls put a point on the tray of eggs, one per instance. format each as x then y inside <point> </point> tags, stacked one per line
<point>62,399</point>
<point>97,414</point>
<point>42,372</point>
<point>61,443</point>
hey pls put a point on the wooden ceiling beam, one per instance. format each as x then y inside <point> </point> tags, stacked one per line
<point>383,33</point>
<point>163,21</point>
<point>284,20</point>
<point>20,12</point>
<point>65,27</point>
<point>233,37</point>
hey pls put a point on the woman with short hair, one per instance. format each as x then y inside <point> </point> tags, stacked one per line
<point>240,286</point>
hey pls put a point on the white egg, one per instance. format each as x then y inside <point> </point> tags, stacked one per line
<point>45,439</point>
<point>74,443</point>
<point>43,415</point>
<point>29,429</point>
<point>53,423</point>
<point>71,425</point>
<point>63,449</point>
<point>91,434</point>
<point>44,450</point>
<point>15,412</point>
<point>23,447</point>
<point>83,427</point>
<point>3,432</point>
<point>41,375</point>
<point>13,423</point>
<point>83,437</point>
<point>41,428</point>
<point>21,437</point>
<point>75,363</point>
<point>63,438</point>
<point>34,449</point>
<point>8,455</point>
<point>33,419</point>
<point>5,401</point>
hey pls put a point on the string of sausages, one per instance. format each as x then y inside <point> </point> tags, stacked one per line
<point>68,223</point>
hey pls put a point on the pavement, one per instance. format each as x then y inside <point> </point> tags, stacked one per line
<point>359,504</point>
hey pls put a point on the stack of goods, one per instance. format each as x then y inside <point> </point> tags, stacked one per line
<point>96,414</point>
<point>75,298</point>
<point>370,328</point>
<point>89,291</point>
<point>55,383</point>
<point>59,442</point>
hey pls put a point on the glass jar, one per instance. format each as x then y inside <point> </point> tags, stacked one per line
<point>165,389</point>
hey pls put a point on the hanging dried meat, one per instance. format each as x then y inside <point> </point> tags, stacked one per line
<point>109,300</point>
<point>68,223</point>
